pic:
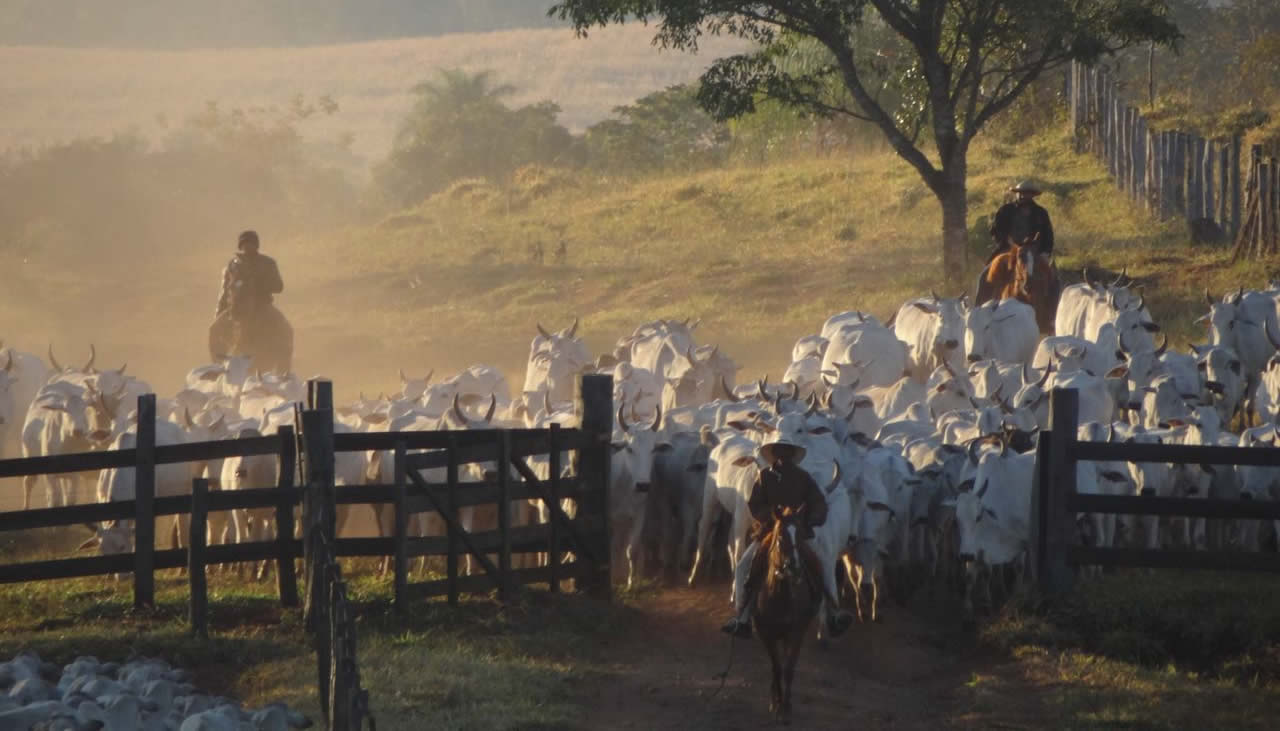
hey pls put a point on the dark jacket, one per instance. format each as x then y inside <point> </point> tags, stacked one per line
<point>785,484</point>
<point>1022,220</point>
<point>248,281</point>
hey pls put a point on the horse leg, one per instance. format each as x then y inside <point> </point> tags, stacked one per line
<point>789,671</point>
<point>775,685</point>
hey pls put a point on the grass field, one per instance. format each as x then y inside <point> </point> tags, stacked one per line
<point>52,94</point>
<point>1159,650</point>
<point>762,254</point>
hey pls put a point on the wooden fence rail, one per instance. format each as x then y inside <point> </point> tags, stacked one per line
<point>311,452</point>
<point>1055,552</point>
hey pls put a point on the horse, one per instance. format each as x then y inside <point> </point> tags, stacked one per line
<point>1022,273</point>
<point>785,606</point>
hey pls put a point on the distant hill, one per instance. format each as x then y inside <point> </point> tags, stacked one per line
<point>176,24</point>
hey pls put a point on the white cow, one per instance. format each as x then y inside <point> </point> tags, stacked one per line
<point>555,362</point>
<point>1003,330</point>
<point>934,331</point>
<point>64,419</point>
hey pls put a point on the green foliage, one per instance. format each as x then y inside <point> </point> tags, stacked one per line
<point>945,67</point>
<point>666,130</point>
<point>459,128</point>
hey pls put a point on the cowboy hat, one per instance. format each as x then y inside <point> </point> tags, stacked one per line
<point>1026,186</point>
<point>766,450</point>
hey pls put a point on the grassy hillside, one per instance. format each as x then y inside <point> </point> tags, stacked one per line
<point>59,94</point>
<point>761,254</point>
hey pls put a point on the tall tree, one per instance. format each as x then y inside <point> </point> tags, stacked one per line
<point>958,64</point>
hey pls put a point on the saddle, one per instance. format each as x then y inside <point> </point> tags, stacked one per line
<point>808,559</point>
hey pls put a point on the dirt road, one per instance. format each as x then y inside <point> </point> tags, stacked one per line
<point>915,669</point>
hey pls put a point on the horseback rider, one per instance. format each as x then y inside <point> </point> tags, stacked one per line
<point>248,281</point>
<point>1022,220</point>
<point>783,484</point>
<point>245,320</point>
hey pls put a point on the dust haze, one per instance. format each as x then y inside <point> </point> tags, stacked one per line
<point>127,174</point>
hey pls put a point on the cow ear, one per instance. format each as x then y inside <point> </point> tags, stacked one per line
<point>940,388</point>
<point>1150,327</point>
<point>925,307</point>
<point>744,461</point>
<point>1118,372</point>
<point>990,512</point>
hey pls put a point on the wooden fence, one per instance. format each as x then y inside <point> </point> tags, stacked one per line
<point>1055,503</point>
<point>1169,173</point>
<point>327,616</point>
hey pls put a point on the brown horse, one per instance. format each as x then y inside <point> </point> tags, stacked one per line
<point>1022,273</point>
<point>785,606</point>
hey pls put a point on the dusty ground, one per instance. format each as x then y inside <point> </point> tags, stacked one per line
<point>915,669</point>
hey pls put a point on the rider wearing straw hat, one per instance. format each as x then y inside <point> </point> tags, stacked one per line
<point>783,484</point>
<point>1022,220</point>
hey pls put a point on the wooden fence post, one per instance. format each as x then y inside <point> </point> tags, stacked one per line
<point>1275,206</point>
<point>451,561</point>
<point>144,527</point>
<point>402,528</point>
<point>196,558</point>
<point>286,569</point>
<point>1206,178</point>
<point>1234,173</point>
<point>596,407</point>
<point>553,488</point>
<point>1264,200</point>
<point>504,515</point>
<point>318,525</point>
<point>1059,523</point>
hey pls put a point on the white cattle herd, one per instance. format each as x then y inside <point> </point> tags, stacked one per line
<point>920,428</point>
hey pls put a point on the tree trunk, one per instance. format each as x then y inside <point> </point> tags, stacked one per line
<point>955,230</point>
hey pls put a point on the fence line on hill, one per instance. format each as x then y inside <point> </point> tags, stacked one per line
<point>1173,173</point>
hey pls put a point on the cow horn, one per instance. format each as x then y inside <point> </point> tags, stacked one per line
<point>826,401</point>
<point>972,452</point>
<point>813,406</point>
<point>835,477</point>
<point>218,421</point>
<point>573,329</point>
<point>1045,378</point>
<point>1124,274</point>
<point>974,403</point>
<point>1163,346</point>
<point>1142,302</point>
<point>657,419</point>
<point>457,409</point>
<point>403,380</point>
<point>93,355</point>
<point>542,330</point>
<point>1111,432</point>
<point>1207,298</point>
<point>1239,296</point>
<point>795,391</point>
<point>427,378</point>
<point>546,401</point>
<point>186,418</point>
<point>123,368</point>
<point>493,406</point>
<point>761,387</point>
<point>54,361</point>
<point>935,296</point>
<point>1085,273</point>
<point>728,392</point>
<point>622,420</point>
